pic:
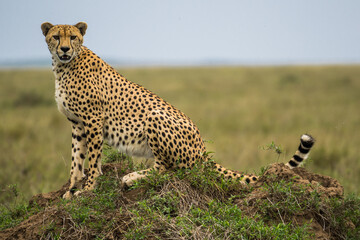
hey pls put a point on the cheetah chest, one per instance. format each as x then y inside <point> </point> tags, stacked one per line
<point>61,100</point>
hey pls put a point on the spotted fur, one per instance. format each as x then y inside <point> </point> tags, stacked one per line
<point>104,106</point>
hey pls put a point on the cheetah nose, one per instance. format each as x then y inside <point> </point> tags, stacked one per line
<point>65,49</point>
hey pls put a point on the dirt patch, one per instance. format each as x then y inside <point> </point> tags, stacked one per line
<point>39,226</point>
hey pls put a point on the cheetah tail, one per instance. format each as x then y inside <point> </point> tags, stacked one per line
<point>231,174</point>
<point>306,143</point>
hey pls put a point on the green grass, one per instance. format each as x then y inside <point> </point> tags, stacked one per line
<point>240,109</point>
<point>12,213</point>
<point>188,204</point>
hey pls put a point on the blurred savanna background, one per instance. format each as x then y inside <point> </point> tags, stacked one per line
<point>254,77</point>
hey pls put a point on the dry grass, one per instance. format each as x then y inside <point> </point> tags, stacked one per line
<point>240,109</point>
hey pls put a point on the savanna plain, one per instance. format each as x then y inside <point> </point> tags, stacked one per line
<point>241,112</point>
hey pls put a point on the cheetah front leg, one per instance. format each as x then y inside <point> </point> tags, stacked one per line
<point>94,142</point>
<point>78,154</point>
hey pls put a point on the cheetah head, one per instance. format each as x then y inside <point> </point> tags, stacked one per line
<point>64,41</point>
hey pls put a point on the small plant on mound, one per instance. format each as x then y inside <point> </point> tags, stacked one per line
<point>278,149</point>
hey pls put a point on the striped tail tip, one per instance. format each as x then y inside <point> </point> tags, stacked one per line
<point>306,143</point>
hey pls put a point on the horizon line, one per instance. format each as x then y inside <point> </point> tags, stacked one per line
<point>42,62</point>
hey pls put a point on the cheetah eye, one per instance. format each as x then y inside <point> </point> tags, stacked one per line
<point>73,37</point>
<point>56,37</point>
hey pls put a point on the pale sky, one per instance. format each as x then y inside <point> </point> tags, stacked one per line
<point>191,31</point>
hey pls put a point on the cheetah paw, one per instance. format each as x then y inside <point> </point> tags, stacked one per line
<point>68,195</point>
<point>78,193</point>
<point>129,179</point>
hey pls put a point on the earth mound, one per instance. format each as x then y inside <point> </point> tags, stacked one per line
<point>282,195</point>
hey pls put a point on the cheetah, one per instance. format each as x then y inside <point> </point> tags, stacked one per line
<point>102,105</point>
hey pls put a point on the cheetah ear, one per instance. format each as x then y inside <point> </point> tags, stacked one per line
<point>82,26</point>
<point>45,27</point>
